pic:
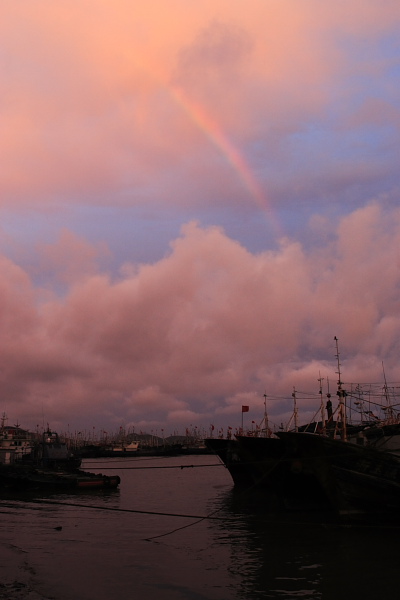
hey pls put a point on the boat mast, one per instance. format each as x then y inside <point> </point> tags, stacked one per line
<point>323,422</point>
<point>388,403</point>
<point>341,393</point>
<point>266,424</point>
<point>3,421</point>
<point>295,414</point>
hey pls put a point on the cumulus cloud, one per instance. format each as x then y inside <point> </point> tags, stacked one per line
<point>208,328</point>
<point>267,130</point>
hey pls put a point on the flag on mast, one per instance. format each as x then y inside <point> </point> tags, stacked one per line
<point>245,409</point>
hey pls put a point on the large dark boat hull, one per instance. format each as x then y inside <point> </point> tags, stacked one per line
<point>229,453</point>
<point>259,464</point>
<point>309,471</point>
<point>355,479</point>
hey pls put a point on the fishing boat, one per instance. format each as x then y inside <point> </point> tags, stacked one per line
<point>305,471</point>
<point>15,443</point>
<point>351,479</point>
<point>46,463</point>
<point>383,436</point>
<point>330,464</point>
<point>253,459</point>
<point>53,453</point>
<point>124,448</point>
<point>229,452</point>
<point>102,450</point>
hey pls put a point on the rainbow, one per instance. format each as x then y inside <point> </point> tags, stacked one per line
<point>214,132</point>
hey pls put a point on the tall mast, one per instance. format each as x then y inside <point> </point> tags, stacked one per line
<point>3,420</point>
<point>296,425</point>
<point>388,403</point>
<point>341,393</point>
<point>323,422</point>
<point>266,424</point>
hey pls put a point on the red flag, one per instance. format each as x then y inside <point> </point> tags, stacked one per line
<point>245,409</point>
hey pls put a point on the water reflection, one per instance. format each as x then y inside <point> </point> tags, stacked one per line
<point>303,555</point>
<point>247,553</point>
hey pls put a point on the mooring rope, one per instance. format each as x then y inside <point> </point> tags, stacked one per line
<point>87,466</point>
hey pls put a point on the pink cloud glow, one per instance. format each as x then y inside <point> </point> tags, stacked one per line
<point>88,101</point>
<point>265,133</point>
<point>209,325</point>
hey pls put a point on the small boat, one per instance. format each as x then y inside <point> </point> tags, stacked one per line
<point>125,447</point>
<point>27,477</point>
<point>109,450</point>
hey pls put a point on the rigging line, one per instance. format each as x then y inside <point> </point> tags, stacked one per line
<point>209,516</point>
<point>199,520</point>
<point>243,463</point>
<point>335,525</point>
<point>159,467</point>
<point>125,458</point>
<point>154,537</point>
<point>127,510</point>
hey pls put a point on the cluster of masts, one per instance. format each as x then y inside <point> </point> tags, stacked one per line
<point>338,418</point>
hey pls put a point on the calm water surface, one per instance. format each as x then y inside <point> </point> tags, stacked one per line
<point>241,553</point>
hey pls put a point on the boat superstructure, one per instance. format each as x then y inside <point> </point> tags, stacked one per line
<point>15,443</point>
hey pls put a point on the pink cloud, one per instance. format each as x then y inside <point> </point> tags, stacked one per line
<point>202,330</point>
<point>210,104</point>
<point>70,258</point>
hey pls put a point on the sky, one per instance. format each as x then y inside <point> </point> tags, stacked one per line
<point>195,199</point>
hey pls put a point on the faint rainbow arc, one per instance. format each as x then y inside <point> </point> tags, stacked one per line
<point>214,132</point>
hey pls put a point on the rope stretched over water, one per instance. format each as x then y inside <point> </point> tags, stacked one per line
<point>87,466</point>
<point>199,518</point>
<point>125,510</point>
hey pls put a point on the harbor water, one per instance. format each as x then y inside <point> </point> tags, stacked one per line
<point>176,530</point>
